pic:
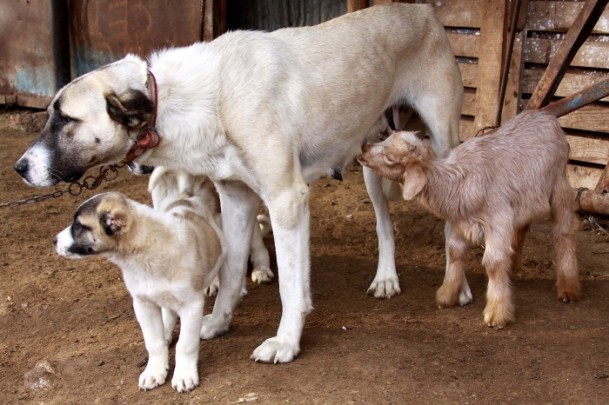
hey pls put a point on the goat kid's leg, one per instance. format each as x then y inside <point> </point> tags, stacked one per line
<point>386,283</point>
<point>567,272</point>
<point>239,208</point>
<point>454,289</point>
<point>289,212</point>
<point>518,237</point>
<point>261,262</point>
<point>499,310</point>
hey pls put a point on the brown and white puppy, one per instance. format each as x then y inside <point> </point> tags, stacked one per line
<point>166,184</point>
<point>168,259</point>
<point>490,189</point>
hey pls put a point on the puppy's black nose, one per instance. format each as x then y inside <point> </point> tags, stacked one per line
<point>21,167</point>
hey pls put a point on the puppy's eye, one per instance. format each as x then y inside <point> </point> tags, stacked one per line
<point>63,119</point>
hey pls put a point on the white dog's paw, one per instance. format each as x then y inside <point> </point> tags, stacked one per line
<point>213,327</point>
<point>275,351</point>
<point>262,275</point>
<point>385,288</point>
<point>152,377</point>
<point>185,380</point>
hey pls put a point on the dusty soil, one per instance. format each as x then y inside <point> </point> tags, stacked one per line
<point>76,317</point>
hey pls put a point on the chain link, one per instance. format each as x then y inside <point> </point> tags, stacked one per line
<point>106,173</point>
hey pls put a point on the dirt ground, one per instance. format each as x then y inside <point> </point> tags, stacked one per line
<point>74,318</point>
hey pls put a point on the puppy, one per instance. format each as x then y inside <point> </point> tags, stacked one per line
<point>168,257</point>
<point>166,184</point>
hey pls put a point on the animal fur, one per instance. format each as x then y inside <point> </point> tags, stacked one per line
<point>168,259</point>
<point>490,189</point>
<point>263,113</point>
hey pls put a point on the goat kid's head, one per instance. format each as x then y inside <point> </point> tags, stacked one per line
<point>401,158</point>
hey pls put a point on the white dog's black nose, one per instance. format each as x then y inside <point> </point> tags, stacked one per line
<point>21,166</point>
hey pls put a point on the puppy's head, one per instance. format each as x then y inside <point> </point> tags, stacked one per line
<point>94,120</point>
<point>97,228</point>
<point>401,157</point>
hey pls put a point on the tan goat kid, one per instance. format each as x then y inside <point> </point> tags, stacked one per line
<point>490,189</point>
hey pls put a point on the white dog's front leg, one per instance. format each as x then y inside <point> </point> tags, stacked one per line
<point>149,317</point>
<point>290,220</point>
<point>186,374</point>
<point>239,208</point>
<point>386,283</point>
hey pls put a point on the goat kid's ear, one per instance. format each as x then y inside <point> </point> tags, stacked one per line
<point>413,181</point>
<point>132,109</point>
<point>115,222</point>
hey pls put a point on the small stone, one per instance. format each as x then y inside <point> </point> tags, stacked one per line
<point>40,377</point>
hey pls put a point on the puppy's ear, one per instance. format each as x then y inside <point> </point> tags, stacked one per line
<point>131,109</point>
<point>413,181</point>
<point>115,222</point>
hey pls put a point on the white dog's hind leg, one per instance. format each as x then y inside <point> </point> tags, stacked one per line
<point>290,219</point>
<point>151,322</point>
<point>386,283</point>
<point>239,208</point>
<point>259,256</point>
<point>186,373</point>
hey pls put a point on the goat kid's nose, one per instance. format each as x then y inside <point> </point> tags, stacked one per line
<point>21,167</point>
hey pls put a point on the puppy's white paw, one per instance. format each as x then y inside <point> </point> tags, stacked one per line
<point>152,377</point>
<point>213,327</point>
<point>262,275</point>
<point>385,288</point>
<point>213,288</point>
<point>185,379</point>
<point>273,350</point>
<point>465,296</point>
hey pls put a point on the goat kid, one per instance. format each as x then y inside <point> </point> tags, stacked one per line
<point>489,190</point>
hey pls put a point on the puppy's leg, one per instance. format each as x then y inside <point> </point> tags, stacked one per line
<point>259,256</point>
<point>151,322</point>
<point>239,208</point>
<point>454,289</point>
<point>289,211</point>
<point>386,283</point>
<point>186,373</point>
<point>169,323</point>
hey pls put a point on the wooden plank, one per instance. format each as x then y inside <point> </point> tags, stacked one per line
<point>512,93</point>
<point>559,16</point>
<point>490,61</point>
<point>467,129</point>
<point>593,117</point>
<point>571,82</point>
<point>590,55</point>
<point>469,73</point>
<point>464,45</point>
<point>469,104</point>
<point>591,150</point>
<point>583,176</point>
<point>459,13</point>
<point>354,5</point>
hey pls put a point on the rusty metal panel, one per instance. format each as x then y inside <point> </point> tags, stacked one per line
<point>102,31</point>
<point>34,50</point>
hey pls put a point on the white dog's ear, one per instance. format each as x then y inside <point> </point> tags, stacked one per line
<point>413,181</point>
<point>133,109</point>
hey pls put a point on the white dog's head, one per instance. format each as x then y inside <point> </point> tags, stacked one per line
<point>94,120</point>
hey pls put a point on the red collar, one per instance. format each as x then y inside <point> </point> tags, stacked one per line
<point>148,137</point>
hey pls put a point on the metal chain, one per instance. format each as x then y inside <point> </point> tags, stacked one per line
<point>106,173</point>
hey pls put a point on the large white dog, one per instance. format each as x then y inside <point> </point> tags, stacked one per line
<point>262,113</point>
